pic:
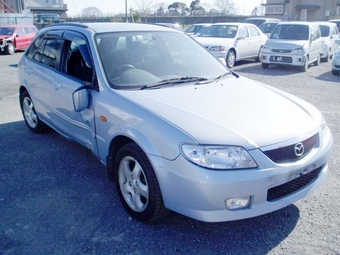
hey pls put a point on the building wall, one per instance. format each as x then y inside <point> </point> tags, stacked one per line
<point>315,10</point>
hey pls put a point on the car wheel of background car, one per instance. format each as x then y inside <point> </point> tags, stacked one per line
<point>305,65</point>
<point>335,72</point>
<point>265,65</point>
<point>10,49</point>
<point>231,58</point>
<point>137,184</point>
<point>28,111</point>
<point>259,56</point>
<point>329,56</point>
<point>317,61</point>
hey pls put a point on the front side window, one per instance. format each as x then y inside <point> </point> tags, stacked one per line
<point>132,60</point>
<point>221,31</point>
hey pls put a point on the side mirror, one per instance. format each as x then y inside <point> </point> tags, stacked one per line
<point>81,99</point>
<point>241,37</point>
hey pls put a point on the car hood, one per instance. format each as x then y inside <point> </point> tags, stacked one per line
<point>285,44</point>
<point>233,111</point>
<point>213,41</point>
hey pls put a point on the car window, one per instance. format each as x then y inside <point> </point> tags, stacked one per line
<point>133,59</point>
<point>253,31</point>
<point>325,31</point>
<point>20,31</point>
<point>221,31</point>
<point>243,31</point>
<point>27,30</point>
<point>78,62</point>
<point>291,32</point>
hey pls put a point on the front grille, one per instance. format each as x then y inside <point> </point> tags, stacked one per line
<point>292,186</point>
<point>281,59</point>
<point>281,51</point>
<point>287,154</point>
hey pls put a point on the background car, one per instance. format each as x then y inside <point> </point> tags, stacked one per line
<point>193,29</point>
<point>336,60</point>
<point>171,25</point>
<point>16,37</point>
<point>259,20</point>
<point>268,27</point>
<point>329,34</point>
<point>233,41</point>
<point>336,21</point>
<point>293,43</point>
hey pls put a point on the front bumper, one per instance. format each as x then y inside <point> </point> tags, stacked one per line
<point>336,63</point>
<point>283,59</point>
<point>202,193</point>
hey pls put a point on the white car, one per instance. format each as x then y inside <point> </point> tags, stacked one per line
<point>175,127</point>
<point>336,60</point>
<point>329,34</point>
<point>233,41</point>
<point>294,44</point>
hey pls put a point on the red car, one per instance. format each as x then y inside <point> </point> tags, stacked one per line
<point>16,37</point>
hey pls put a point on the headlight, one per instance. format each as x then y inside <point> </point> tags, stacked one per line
<point>218,157</point>
<point>217,48</point>
<point>298,51</point>
<point>266,50</point>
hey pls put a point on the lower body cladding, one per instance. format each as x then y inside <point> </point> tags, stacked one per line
<point>293,60</point>
<point>216,196</point>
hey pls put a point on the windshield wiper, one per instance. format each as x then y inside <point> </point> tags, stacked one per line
<point>171,82</point>
<point>225,74</point>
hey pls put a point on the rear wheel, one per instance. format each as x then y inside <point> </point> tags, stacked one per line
<point>10,49</point>
<point>259,56</point>
<point>231,58</point>
<point>137,184</point>
<point>28,111</point>
<point>317,61</point>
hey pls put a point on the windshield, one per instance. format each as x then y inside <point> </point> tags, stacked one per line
<point>221,31</point>
<point>6,30</point>
<point>267,27</point>
<point>325,31</point>
<point>134,60</point>
<point>291,32</point>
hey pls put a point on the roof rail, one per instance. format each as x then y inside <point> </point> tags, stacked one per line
<point>76,24</point>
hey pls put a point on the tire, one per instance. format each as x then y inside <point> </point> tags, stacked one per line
<point>317,61</point>
<point>10,49</point>
<point>30,116</point>
<point>305,65</point>
<point>265,65</point>
<point>328,58</point>
<point>259,56</point>
<point>231,58</point>
<point>335,72</point>
<point>137,184</point>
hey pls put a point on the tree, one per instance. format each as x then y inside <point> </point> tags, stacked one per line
<point>91,12</point>
<point>161,9</point>
<point>178,8</point>
<point>225,6</point>
<point>144,7</point>
<point>196,8</point>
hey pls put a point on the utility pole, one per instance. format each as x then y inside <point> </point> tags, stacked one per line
<point>126,18</point>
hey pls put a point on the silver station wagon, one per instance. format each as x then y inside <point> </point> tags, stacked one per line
<point>176,129</point>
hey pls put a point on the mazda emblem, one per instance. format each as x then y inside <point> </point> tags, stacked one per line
<point>299,149</point>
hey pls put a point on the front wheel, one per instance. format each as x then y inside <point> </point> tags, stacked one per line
<point>305,65</point>
<point>231,58</point>
<point>28,111</point>
<point>259,55</point>
<point>10,49</point>
<point>137,184</point>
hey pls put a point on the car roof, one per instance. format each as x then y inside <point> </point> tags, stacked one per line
<point>297,23</point>
<point>102,27</point>
<point>326,23</point>
<point>233,23</point>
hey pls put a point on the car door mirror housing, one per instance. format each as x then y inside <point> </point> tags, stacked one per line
<point>81,99</point>
<point>241,37</point>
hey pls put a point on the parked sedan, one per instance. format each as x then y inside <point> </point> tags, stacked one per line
<point>175,127</point>
<point>336,60</point>
<point>233,41</point>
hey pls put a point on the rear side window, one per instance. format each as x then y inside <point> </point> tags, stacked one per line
<point>253,31</point>
<point>27,30</point>
<point>46,51</point>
